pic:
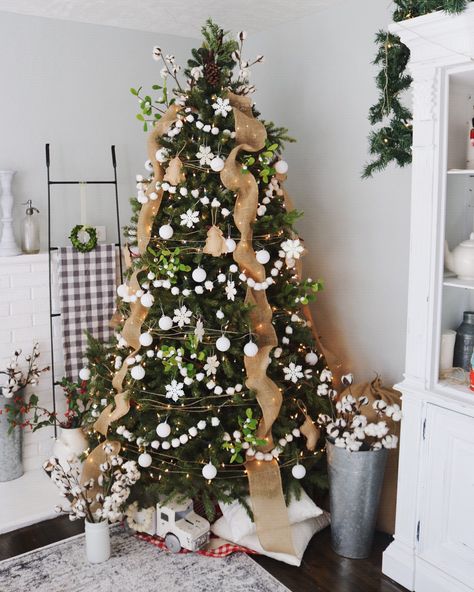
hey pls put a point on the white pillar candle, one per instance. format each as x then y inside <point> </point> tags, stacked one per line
<point>447,350</point>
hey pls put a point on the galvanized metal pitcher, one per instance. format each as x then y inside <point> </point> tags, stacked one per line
<point>355,483</point>
<point>11,466</point>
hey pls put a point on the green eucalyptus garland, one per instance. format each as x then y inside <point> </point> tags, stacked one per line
<point>83,247</point>
<point>391,137</point>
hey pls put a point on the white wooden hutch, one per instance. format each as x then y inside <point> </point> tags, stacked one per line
<point>433,549</point>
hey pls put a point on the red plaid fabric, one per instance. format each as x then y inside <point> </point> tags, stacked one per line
<point>222,551</point>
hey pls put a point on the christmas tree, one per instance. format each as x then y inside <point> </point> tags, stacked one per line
<point>215,374</point>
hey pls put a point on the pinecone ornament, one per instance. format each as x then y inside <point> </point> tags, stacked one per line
<point>212,73</point>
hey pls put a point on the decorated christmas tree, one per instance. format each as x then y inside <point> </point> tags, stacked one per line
<point>215,376</point>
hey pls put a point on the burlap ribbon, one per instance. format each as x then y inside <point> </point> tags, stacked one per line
<point>138,313</point>
<point>266,493</point>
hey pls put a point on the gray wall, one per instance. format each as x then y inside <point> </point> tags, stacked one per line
<point>68,84</point>
<point>317,80</point>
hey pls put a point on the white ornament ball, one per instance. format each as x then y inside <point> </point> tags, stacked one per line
<point>165,231</point>
<point>209,471</point>
<point>223,343</point>
<point>163,430</point>
<point>145,460</point>
<point>281,167</point>
<point>250,349</point>
<point>298,471</point>
<point>217,164</point>
<point>311,358</point>
<point>122,290</point>
<point>263,256</point>
<point>84,373</point>
<point>138,372</point>
<point>147,300</point>
<point>146,339</point>
<point>165,323</point>
<point>199,274</point>
<point>231,245</point>
<point>219,314</point>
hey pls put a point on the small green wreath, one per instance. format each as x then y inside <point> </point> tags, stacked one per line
<point>84,247</point>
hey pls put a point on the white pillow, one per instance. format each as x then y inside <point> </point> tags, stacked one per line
<point>241,526</point>
<point>301,532</point>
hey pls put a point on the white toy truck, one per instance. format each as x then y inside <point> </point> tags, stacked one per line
<point>179,525</point>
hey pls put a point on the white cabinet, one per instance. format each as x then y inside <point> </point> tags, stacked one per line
<point>446,532</point>
<point>433,548</point>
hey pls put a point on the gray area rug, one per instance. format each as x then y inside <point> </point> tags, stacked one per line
<point>134,566</point>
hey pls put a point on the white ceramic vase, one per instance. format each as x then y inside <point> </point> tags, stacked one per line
<point>71,443</point>
<point>97,541</point>
<point>8,245</point>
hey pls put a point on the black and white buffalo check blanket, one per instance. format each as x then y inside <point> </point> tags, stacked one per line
<point>87,298</point>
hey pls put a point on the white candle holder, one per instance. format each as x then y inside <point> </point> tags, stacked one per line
<point>8,244</point>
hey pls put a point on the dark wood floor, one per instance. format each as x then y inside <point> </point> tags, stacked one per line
<point>321,571</point>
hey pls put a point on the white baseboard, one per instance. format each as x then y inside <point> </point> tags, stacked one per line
<point>398,563</point>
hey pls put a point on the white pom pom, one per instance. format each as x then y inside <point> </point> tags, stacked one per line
<point>311,358</point>
<point>209,471</point>
<point>222,344</point>
<point>199,274</point>
<point>145,460</point>
<point>298,471</point>
<point>184,438</point>
<point>165,323</point>
<point>260,456</point>
<point>230,244</point>
<point>263,256</point>
<point>220,314</point>
<point>175,443</point>
<point>163,429</point>
<point>84,373</point>
<point>217,164</point>
<point>137,372</point>
<point>215,421</point>
<point>155,444</point>
<point>166,445</point>
<point>146,339</point>
<point>147,300</point>
<point>193,431</point>
<point>201,424</point>
<point>268,456</point>
<point>165,231</point>
<point>281,167</point>
<point>250,349</point>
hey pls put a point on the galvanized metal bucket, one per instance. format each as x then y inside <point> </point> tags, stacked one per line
<point>11,466</point>
<point>355,483</point>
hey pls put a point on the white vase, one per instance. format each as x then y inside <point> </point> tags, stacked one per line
<point>70,444</point>
<point>8,245</point>
<point>97,541</point>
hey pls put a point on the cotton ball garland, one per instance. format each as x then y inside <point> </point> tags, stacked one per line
<point>250,349</point>
<point>163,429</point>
<point>223,343</point>
<point>311,358</point>
<point>231,245</point>
<point>138,372</point>
<point>145,339</point>
<point>193,431</point>
<point>84,373</point>
<point>175,443</point>
<point>217,164</point>
<point>209,471</point>
<point>183,438</point>
<point>298,471</point>
<point>263,256</point>
<point>165,323</point>
<point>199,274</point>
<point>145,460</point>
<point>201,424</point>
<point>281,167</point>
<point>166,231</point>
